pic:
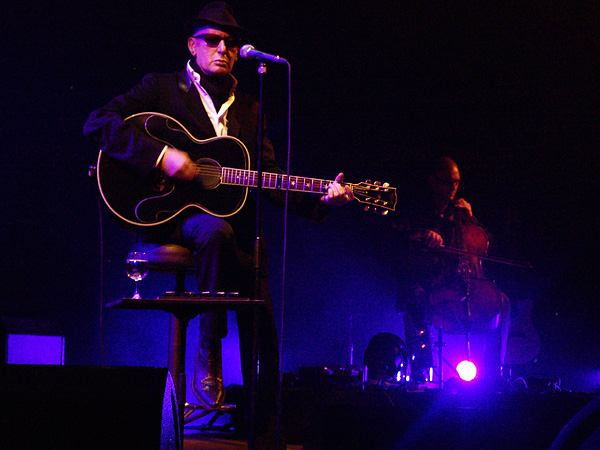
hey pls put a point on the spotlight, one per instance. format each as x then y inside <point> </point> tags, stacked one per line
<point>466,370</point>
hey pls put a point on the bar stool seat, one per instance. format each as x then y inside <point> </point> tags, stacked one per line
<point>168,258</point>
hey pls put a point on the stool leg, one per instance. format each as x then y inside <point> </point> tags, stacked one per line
<point>177,337</point>
<point>180,283</point>
<point>440,358</point>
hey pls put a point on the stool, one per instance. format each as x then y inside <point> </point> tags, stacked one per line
<point>182,306</point>
<point>178,260</point>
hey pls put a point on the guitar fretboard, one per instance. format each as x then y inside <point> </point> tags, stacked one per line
<point>242,177</point>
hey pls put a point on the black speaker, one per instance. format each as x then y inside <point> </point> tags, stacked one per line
<point>87,407</point>
<point>582,432</point>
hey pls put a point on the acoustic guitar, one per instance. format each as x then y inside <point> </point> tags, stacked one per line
<point>221,187</point>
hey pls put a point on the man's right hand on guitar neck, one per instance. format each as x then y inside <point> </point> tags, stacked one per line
<point>178,164</point>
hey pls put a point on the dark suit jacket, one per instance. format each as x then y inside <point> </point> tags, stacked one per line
<point>172,94</point>
<point>175,95</point>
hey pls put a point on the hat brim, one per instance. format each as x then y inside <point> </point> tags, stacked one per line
<point>193,24</point>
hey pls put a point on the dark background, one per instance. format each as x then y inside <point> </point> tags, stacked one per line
<point>509,90</point>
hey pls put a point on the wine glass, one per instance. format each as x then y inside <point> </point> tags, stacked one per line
<point>137,268</point>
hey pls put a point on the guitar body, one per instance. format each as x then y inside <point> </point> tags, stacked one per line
<point>157,199</point>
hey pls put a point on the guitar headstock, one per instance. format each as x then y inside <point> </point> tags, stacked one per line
<point>377,196</point>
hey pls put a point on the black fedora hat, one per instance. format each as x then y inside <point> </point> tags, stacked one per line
<point>218,15</point>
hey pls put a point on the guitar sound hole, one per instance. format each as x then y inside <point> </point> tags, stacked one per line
<point>209,173</point>
<point>159,182</point>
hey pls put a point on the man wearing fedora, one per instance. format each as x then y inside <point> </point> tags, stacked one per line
<point>205,99</point>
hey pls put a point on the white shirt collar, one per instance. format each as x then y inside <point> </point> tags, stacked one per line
<point>217,118</point>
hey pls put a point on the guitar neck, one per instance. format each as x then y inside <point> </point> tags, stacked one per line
<point>249,178</point>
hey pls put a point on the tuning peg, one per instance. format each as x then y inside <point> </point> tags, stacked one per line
<point>366,208</point>
<point>377,183</point>
<point>385,212</point>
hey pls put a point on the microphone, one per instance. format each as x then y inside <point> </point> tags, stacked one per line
<point>248,52</point>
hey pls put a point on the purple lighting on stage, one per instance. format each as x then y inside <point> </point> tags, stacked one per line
<point>466,370</point>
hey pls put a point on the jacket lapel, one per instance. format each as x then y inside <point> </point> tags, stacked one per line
<point>233,124</point>
<point>191,99</point>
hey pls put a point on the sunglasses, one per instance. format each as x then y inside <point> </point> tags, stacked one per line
<point>213,40</point>
<point>449,183</point>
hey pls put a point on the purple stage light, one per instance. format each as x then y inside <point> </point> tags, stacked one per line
<point>466,370</point>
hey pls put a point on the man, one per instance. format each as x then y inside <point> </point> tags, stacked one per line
<point>432,271</point>
<point>204,98</point>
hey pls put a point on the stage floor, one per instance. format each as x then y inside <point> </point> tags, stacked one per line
<point>198,440</point>
<point>348,417</point>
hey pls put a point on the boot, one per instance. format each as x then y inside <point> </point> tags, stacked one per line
<point>207,384</point>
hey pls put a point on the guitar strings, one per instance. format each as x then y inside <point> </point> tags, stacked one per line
<point>228,173</point>
<point>314,184</point>
<point>249,178</point>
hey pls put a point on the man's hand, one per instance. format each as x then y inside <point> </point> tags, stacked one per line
<point>337,194</point>
<point>430,238</point>
<point>178,164</point>
<point>463,207</point>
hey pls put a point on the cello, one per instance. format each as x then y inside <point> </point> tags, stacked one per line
<point>466,301</point>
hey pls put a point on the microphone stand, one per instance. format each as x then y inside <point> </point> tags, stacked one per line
<point>262,70</point>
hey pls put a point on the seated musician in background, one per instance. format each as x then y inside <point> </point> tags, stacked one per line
<point>430,276</point>
<point>204,98</point>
